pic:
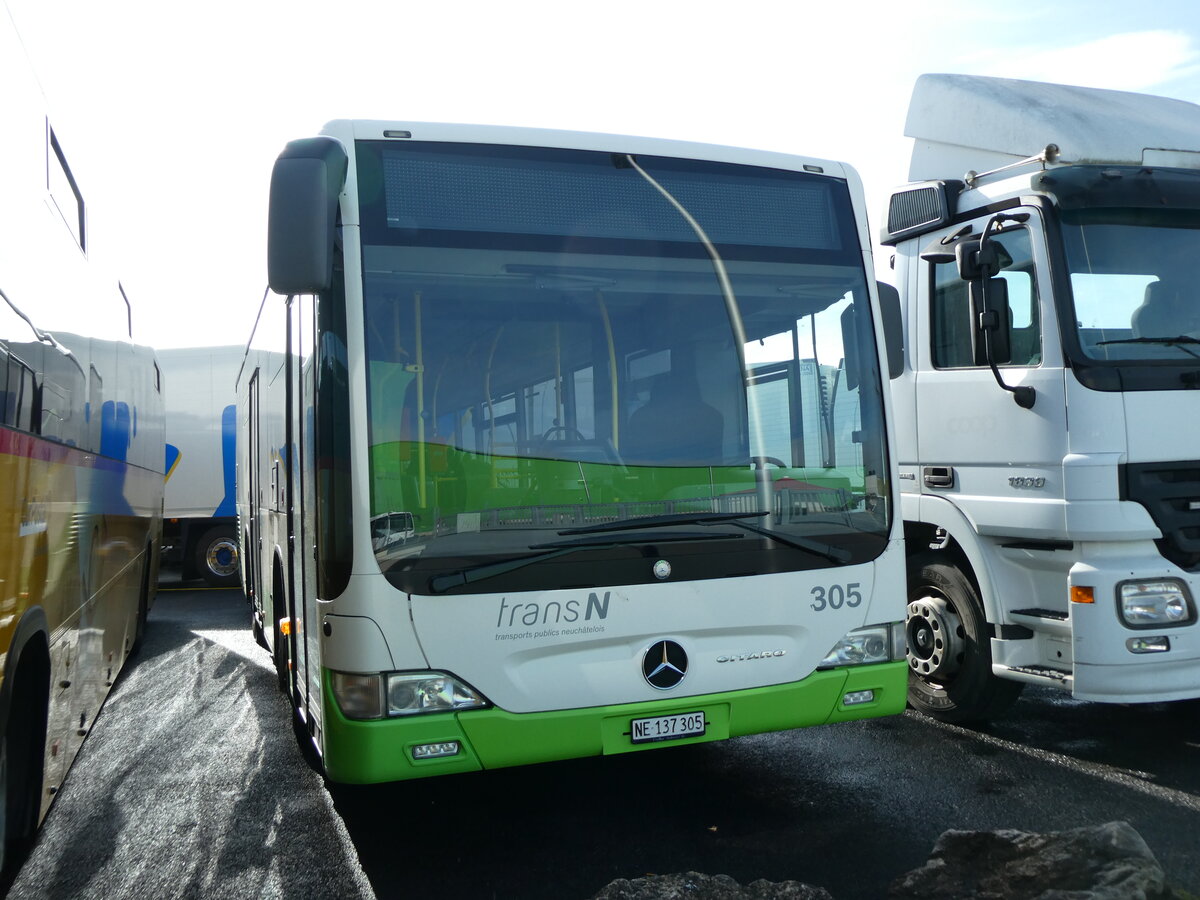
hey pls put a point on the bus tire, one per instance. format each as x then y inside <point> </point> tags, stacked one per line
<point>143,610</point>
<point>216,556</point>
<point>256,628</point>
<point>949,651</point>
<point>20,776</point>
<point>279,641</point>
<point>280,658</point>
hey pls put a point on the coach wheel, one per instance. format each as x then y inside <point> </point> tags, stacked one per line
<point>217,556</point>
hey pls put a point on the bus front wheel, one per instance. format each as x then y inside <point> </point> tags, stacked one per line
<point>949,654</point>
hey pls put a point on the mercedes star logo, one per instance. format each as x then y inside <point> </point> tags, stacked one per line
<point>664,665</point>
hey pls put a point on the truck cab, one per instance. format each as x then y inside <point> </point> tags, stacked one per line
<point>1048,417</point>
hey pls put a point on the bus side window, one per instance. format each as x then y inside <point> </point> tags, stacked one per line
<point>19,393</point>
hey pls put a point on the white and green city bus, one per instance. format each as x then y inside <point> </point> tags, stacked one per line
<point>555,445</point>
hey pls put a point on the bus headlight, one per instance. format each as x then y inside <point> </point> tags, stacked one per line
<point>1153,604</point>
<point>864,646</point>
<point>420,692</point>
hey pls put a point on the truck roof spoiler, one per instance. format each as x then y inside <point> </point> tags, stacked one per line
<point>972,122</point>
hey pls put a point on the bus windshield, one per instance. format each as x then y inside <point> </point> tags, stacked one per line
<point>575,357</point>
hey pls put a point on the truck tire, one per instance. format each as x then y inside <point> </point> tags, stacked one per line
<point>216,556</point>
<point>949,652</point>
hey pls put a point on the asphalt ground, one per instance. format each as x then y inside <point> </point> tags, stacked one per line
<point>192,785</point>
<point>185,786</point>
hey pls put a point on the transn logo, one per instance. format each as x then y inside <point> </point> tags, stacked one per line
<point>552,612</point>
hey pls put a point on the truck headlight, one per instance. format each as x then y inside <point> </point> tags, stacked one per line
<point>420,692</point>
<point>1154,604</point>
<point>864,646</point>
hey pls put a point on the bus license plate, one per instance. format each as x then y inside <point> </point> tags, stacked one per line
<point>667,728</point>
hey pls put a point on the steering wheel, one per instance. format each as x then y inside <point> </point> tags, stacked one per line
<point>568,434</point>
<point>759,461</point>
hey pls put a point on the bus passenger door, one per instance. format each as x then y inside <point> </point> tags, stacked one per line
<point>254,501</point>
<point>303,504</point>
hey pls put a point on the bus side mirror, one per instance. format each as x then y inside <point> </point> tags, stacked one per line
<point>305,183</point>
<point>850,349</point>
<point>893,327</point>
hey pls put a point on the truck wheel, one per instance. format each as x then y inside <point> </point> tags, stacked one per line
<point>217,556</point>
<point>949,654</point>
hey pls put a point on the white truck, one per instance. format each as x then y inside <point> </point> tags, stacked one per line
<point>1048,407</point>
<point>200,517</point>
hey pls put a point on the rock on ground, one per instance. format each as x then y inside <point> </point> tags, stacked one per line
<point>694,886</point>
<point>1103,862</point>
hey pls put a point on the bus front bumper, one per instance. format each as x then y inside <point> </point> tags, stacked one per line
<point>381,750</point>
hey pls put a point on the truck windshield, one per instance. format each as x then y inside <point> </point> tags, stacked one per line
<point>1135,296</point>
<point>558,340</point>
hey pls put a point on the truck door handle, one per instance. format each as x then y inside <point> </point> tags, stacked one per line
<point>938,476</point>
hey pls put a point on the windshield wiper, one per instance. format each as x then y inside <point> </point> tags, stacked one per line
<point>668,519</point>
<point>820,548</point>
<point>825,551</point>
<point>624,540</point>
<point>1178,341</point>
<point>440,583</point>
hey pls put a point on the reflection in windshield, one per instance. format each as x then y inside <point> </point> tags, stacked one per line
<point>554,346</point>
<point>1135,298</point>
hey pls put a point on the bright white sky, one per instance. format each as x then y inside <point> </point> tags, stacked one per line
<point>172,114</point>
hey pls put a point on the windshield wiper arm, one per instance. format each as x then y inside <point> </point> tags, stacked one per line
<point>825,551</point>
<point>624,540</point>
<point>440,583</point>
<point>820,548</point>
<point>655,521</point>
<point>1178,341</point>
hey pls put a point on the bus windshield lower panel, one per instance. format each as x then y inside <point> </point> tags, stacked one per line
<point>578,362</point>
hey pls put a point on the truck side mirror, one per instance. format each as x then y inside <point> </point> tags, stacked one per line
<point>992,320</point>
<point>305,183</point>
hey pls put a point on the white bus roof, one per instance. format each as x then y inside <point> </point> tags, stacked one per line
<point>971,122</point>
<point>376,129</point>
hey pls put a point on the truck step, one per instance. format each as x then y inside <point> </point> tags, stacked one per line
<point>1035,675</point>
<point>1042,621</point>
<point>1041,614</point>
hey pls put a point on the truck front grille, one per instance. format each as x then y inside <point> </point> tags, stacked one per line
<point>1170,491</point>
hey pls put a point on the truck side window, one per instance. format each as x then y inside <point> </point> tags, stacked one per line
<point>950,308</point>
